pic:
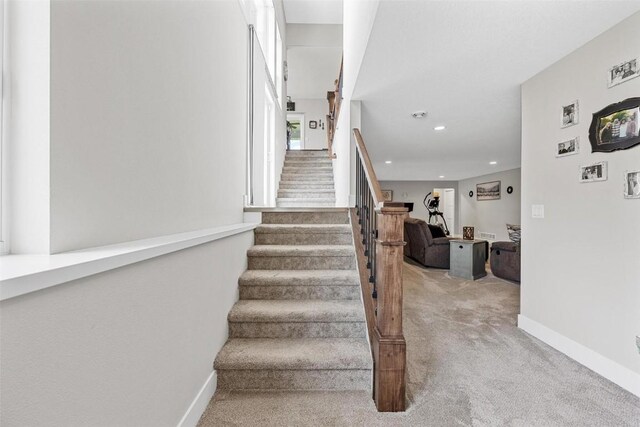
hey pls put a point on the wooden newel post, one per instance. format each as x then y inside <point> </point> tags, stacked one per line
<point>389,344</point>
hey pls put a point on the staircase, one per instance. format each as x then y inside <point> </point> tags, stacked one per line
<point>306,180</point>
<point>299,323</point>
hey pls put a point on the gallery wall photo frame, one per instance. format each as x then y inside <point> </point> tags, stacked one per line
<point>632,184</point>
<point>387,195</point>
<point>594,172</point>
<point>313,124</point>
<point>488,190</point>
<point>616,126</point>
<point>568,147</point>
<point>623,72</point>
<point>570,115</point>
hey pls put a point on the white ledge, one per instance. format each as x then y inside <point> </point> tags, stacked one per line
<point>22,274</point>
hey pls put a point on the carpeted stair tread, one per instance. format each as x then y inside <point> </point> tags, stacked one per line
<point>300,278</point>
<point>304,228</point>
<point>307,216</point>
<point>305,201</point>
<point>294,354</point>
<point>300,251</point>
<point>296,311</point>
<point>327,191</point>
<point>320,177</point>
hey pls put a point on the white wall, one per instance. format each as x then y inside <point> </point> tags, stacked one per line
<point>580,276</point>
<point>27,124</point>
<point>148,105</point>
<point>147,110</point>
<point>314,109</point>
<point>128,347</point>
<point>314,35</point>
<point>491,216</point>
<point>314,52</point>
<point>414,191</point>
<point>358,17</point>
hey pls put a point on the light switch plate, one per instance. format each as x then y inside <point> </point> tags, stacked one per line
<point>537,211</point>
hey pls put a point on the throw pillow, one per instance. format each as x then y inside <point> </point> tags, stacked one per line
<point>514,233</point>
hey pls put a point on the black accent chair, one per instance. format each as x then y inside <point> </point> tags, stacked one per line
<point>426,243</point>
<point>505,260</point>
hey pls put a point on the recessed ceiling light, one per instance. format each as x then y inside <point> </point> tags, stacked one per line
<point>493,163</point>
<point>441,176</point>
<point>388,162</point>
<point>419,114</point>
<point>439,128</point>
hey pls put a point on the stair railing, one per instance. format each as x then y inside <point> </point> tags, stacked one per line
<point>379,238</point>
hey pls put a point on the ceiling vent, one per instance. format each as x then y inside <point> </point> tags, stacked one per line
<point>419,114</point>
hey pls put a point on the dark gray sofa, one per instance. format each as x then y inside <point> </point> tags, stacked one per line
<point>426,243</point>
<point>505,260</point>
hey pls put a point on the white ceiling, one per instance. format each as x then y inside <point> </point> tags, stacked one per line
<point>313,11</point>
<point>463,62</point>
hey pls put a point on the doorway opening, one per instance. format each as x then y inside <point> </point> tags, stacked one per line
<point>447,206</point>
<point>295,131</point>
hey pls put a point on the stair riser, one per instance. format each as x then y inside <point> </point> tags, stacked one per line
<point>306,194</point>
<point>292,185</point>
<point>323,154</point>
<point>303,239</point>
<point>305,218</point>
<point>316,176</point>
<point>307,179</point>
<point>325,379</point>
<point>302,263</point>
<point>297,330</point>
<point>307,170</point>
<point>305,161</point>
<point>300,292</point>
<point>296,203</point>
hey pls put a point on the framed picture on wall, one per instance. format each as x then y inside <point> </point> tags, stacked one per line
<point>387,195</point>
<point>632,184</point>
<point>622,72</point>
<point>313,124</point>
<point>594,172</point>
<point>615,127</point>
<point>568,147</point>
<point>488,191</point>
<point>569,115</point>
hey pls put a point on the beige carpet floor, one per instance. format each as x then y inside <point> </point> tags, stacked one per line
<point>468,365</point>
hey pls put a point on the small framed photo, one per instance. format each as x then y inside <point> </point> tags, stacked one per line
<point>488,191</point>
<point>569,115</point>
<point>568,147</point>
<point>622,72</point>
<point>387,195</point>
<point>594,172</point>
<point>632,184</point>
<point>313,124</point>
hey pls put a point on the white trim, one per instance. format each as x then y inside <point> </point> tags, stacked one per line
<point>611,370</point>
<point>22,274</point>
<point>200,402</point>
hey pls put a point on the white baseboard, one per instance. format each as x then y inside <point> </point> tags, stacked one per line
<point>613,371</point>
<point>199,404</point>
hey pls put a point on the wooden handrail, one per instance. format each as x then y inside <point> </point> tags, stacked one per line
<point>379,255</point>
<point>374,185</point>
